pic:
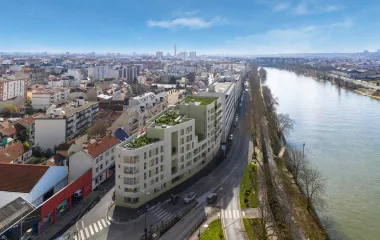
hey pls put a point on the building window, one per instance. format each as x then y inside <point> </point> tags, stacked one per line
<point>156,160</point>
<point>162,158</point>
<point>144,185</point>
<point>144,165</point>
<point>156,179</point>
<point>182,132</point>
<point>162,168</point>
<point>156,170</point>
<point>112,158</point>
<point>150,173</point>
<point>106,162</point>
<point>156,151</point>
<point>150,153</point>
<point>97,160</point>
<point>162,149</point>
<point>101,157</point>
<point>101,166</point>
<point>144,175</point>
<point>144,155</point>
<point>113,150</point>
<point>97,170</point>
<point>107,153</point>
<point>162,177</point>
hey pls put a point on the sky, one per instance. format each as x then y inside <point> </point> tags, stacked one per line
<point>238,27</point>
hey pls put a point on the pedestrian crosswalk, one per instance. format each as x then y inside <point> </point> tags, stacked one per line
<point>92,229</point>
<point>230,214</point>
<point>161,214</point>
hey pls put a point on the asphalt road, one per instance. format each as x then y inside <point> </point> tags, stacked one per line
<point>224,180</point>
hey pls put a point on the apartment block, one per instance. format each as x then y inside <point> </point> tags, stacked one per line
<point>12,88</point>
<point>64,123</point>
<point>42,99</point>
<point>178,142</point>
<point>229,90</point>
<point>99,156</point>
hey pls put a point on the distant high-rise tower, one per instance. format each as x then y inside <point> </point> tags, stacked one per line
<point>175,50</point>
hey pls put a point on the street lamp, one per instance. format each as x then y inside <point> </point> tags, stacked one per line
<point>303,150</point>
<point>146,211</point>
<point>22,203</point>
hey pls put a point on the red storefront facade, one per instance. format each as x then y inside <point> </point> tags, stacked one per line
<point>49,208</point>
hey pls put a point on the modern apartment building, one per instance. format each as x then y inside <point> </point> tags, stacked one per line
<point>178,143</point>
<point>12,88</point>
<point>64,123</point>
<point>229,90</point>
<point>42,99</point>
<point>97,72</point>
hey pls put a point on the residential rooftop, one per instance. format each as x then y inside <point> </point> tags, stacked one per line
<point>202,101</point>
<point>68,110</point>
<point>141,141</point>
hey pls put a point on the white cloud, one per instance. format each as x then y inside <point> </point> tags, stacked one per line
<point>281,6</point>
<point>310,38</point>
<point>181,13</point>
<point>190,22</point>
<point>332,8</point>
<point>302,8</point>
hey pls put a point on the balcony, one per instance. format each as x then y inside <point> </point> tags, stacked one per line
<point>131,171</point>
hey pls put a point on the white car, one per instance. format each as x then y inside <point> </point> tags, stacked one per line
<point>189,197</point>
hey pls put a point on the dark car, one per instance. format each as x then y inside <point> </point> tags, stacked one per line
<point>211,198</point>
<point>173,199</point>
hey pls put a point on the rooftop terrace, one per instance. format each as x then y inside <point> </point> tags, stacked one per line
<point>141,142</point>
<point>203,101</point>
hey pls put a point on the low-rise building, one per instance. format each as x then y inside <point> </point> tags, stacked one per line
<point>42,99</point>
<point>15,153</point>
<point>65,123</point>
<point>177,144</point>
<point>99,156</point>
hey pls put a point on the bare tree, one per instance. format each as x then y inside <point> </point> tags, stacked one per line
<point>313,184</point>
<point>270,101</point>
<point>98,129</point>
<point>263,74</point>
<point>285,124</point>
<point>296,163</point>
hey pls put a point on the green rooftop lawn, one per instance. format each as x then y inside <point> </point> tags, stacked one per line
<point>140,142</point>
<point>201,100</point>
<point>168,118</point>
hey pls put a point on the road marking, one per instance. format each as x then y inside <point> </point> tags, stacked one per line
<point>87,233</point>
<point>233,213</point>
<point>82,224</point>
<point>108,222</point>
<point>229,214</point>
<point>91,231</point>
<point>82,234</point>
<point>96,227</point>
<point>104,223</point>
<point>160,213</point>
<point>166,217</point>
<point>75,237</point>
<point>100,226</point>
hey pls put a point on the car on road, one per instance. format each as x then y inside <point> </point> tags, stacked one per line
<point>173,199</point>
<point>189,197</point>
<point>231,137</point>
<point>211,198</point>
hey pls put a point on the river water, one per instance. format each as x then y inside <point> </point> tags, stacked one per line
<point>341,132</point>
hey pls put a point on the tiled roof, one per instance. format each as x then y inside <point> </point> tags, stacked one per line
<point>101,145</point>
<point>8,154</point>
<point>9,131</point>
<point>20,177</point>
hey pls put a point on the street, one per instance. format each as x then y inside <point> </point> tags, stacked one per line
<point>224,180</point>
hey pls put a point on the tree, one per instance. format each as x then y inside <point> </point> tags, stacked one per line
<point>270,101</point>
<point>23,135</point>
<point>263,74</point>
<point>172,80</point>
<point>377,84</point>
<point>296,163</point>
<point>11,110</point>
<point>285,124</point>
<point>98,129</point>
<point>313,184</point>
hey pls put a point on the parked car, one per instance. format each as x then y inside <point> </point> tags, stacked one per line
<point>173,199</point>
<point>189,197</point>
<point>211,198</point>
<point>78,194</point>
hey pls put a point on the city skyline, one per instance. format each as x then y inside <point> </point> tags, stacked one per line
<point>239,28</point>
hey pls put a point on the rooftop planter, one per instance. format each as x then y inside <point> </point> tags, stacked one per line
<point>141,142</point>
<point>202,100</point>
<point>169,118</point>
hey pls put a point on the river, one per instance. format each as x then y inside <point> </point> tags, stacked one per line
<point>341,132</point>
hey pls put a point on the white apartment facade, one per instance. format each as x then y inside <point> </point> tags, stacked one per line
<point>230,93</point>
<point>177,144</point>
<point>99,156</point>
<point>42,99</point>
<point>12,88</point>
<point>98,72</point>
<point>64,123</point>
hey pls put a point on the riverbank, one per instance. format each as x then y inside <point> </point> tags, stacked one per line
<point>287,204</point>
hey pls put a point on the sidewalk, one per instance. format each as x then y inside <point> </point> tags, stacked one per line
<point>70,217</point>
